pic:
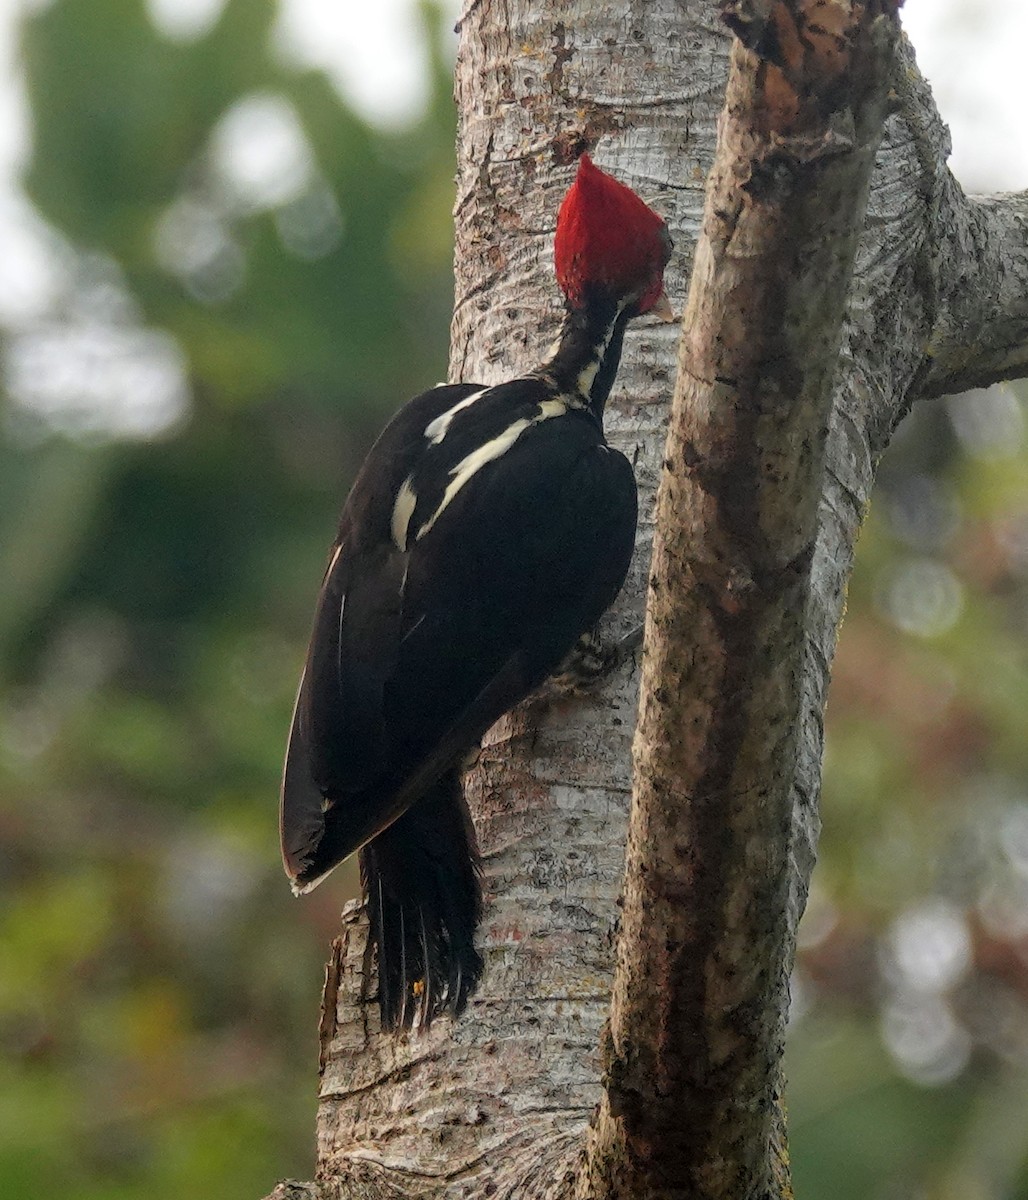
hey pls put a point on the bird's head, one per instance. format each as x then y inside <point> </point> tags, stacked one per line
<point>612,243</point>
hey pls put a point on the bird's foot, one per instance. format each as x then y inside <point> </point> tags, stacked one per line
<point>588,663</point>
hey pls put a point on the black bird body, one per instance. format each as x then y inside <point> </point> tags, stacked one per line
<point>488,529</point>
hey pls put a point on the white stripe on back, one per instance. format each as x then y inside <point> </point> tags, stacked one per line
<point>436,429</point>
<point>403,510</point>
<point>472,463</point>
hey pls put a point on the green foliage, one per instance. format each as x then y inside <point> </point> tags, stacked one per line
<point>156,602</point>
<point>915,933</point>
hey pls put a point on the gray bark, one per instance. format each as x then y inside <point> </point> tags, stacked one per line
<point>499,1104</point>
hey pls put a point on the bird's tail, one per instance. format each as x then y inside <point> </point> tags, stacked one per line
<point>421,880</point>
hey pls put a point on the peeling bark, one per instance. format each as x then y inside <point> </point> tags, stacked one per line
<point>499,1104</point>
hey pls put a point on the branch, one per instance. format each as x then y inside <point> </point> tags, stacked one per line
<point>981,334</point>
<point>972,255</point>
<point>692,1073</point>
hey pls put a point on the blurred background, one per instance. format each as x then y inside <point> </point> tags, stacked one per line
<point>225,246</point>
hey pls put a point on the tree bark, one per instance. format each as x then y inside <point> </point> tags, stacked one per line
<point>499,1104</point>
<point>691,1105</point>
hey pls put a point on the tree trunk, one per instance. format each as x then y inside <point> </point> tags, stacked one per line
<point>499,1104</point>
<point>693,1057</point>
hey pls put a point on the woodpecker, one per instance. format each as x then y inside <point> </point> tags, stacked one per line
<point>487,530</point>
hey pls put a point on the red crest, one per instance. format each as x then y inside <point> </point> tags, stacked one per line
<point>608,238</point>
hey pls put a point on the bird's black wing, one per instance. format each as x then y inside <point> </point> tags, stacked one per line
<point>448,634</point>
<point>336,747</point>
<point>496,596</point>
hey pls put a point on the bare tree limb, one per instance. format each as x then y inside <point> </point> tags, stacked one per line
<point>981,334</point>
<point>692,1061</point>
<point>969,254</point>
